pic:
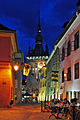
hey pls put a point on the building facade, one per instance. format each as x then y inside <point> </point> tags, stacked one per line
<point>42,84</point>
<point>52,75</point>
<point>18,58</point>
<point>8,47</point>
<point>69,45</point>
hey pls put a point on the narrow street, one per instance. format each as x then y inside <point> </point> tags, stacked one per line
<point>25,112</point>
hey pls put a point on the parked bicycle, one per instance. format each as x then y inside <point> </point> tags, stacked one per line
<point>59,113</point>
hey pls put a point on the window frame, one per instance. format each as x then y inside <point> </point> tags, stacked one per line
<point>68,48</point>
<point>76,40</point>
<point>69,74</point>
<point>63,53</point>
<point>76,70</point>
<point>63,76</point>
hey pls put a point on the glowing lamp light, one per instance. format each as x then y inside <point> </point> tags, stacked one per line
<point>64,74</point>
<point>33,95</point>
<point>39,30</point>
<point>16,67</point>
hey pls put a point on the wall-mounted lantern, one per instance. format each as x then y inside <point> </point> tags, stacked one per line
<point>16,67</point>
<point>65,75</point>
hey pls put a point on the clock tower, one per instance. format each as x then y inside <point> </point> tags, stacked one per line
<point>37,58</point>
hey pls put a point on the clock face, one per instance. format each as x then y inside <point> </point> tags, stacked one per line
<point>41,64</point>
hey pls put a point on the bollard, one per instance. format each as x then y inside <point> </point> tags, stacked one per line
<point>44,105</point>
<point>41,107</point>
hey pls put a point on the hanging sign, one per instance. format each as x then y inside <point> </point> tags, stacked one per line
<point>26,69</point>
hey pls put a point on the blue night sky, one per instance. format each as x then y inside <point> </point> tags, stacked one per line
<point>22,16</point>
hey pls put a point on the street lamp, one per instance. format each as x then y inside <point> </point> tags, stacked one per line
<point>16,67</point>
<point>64,75</point>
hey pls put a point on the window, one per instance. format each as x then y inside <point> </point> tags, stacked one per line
<point>69,48</point>
<point>62,76</point>
<point>63,53</point>
<point>43,84</point>
<point>76,41</point>
<point>76,70</point>
<point>69,74</point>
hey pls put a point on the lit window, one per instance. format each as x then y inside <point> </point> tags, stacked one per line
<point>46,57</point>
<point>33,57</point>
<point>35,69</point>
<point>27,57</point>
<point>40,57</point>
<point>37,57</point>
<point>43,57</point>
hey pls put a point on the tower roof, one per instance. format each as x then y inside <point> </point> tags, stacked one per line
<point>39,26</point>
<point>38,50</point>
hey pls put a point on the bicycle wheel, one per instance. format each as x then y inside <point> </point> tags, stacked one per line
<point>52,117</point>
<point>62,116</point>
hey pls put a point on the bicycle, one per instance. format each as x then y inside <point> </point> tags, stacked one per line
<point>59,113</point>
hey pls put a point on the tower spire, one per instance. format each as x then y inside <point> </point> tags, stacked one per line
<point>39,26</point>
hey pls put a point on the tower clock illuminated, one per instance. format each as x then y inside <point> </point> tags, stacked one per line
<point>41,64</point>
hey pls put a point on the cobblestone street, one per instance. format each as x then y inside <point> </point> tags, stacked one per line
<point>23,112</point>
<point>26,112</point>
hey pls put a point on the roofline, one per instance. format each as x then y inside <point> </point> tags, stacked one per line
<point>16,40</point>
<point>62,34</point>
<point>68,25</point>
<point>51,55</point>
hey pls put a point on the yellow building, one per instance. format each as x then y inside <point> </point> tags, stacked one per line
<point>42,84</point>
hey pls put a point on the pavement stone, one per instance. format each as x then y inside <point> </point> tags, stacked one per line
<point>23,112</point>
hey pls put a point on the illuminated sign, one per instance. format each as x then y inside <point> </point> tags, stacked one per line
<point>26,69</point>
<point>54,76</point>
